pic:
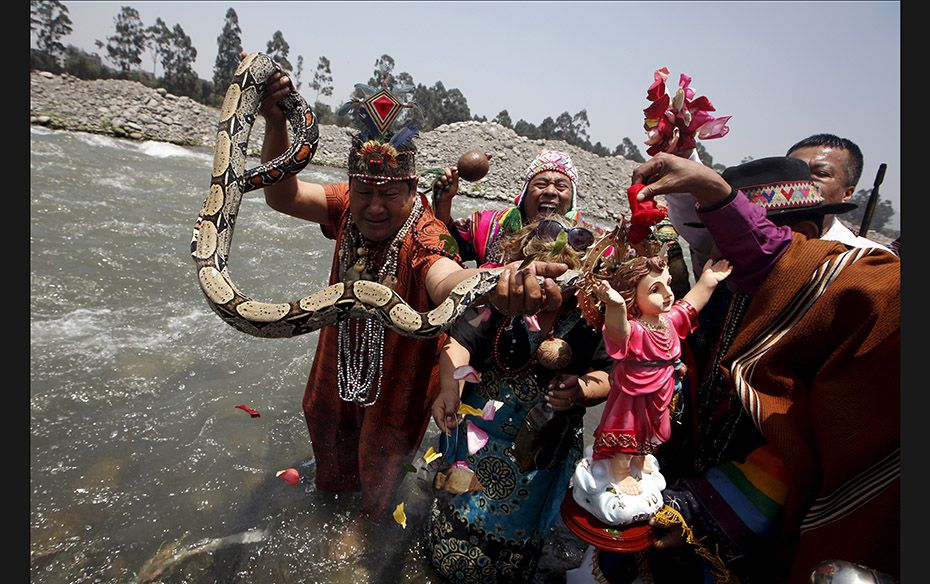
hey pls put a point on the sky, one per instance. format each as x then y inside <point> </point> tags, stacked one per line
<point>782,70</point>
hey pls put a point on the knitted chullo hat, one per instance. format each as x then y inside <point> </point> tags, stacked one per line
<point>377,153</point>
<point>547,160</point>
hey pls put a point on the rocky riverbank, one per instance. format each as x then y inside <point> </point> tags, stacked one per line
<point>130,110</point>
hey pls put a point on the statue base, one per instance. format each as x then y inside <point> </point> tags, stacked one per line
<point>634,537</point>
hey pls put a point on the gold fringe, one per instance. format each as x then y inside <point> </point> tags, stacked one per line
<point>667,517</point>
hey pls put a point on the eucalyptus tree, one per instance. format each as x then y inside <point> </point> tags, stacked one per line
<point>158,39</point>
<point>229,49</point>
<point>49,20</point>
<point>383,75</point>
<point>628,149</point>
<point>437,105</point>
<point>125,47</point>
<point>881,213</point>
<point>179,70</point>
<point>571,129</point>
<point>322,79</point>
<point>298,73</point>
<point>503,118</point>
<point>278,50</point>
<point>547,128</point>
<point>527,129</point>
<point>84,65</point>
<point>453,107</point>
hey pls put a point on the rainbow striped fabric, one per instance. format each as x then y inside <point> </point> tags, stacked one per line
<point>746,499</point>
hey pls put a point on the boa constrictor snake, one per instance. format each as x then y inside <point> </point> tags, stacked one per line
<point>214,226</point>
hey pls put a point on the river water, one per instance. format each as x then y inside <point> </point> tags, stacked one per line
<point>142,468</point>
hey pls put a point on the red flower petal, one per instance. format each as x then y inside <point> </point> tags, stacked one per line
<point>656,90</point>
<point>251,412</point>
<point>702,104</point>
<point>656,109</point>
<point>714,128</point>
<point>684,81</point>
<point>698,119</point>
<point>289,476</point>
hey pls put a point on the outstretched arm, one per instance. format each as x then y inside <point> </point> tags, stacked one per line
<point>289,195</point>
<point>517,291</point>
<point>446,405</point>
<point>740,228</point>
<point>616,323</point>
<point>713,274</point>
<point>666,173</point>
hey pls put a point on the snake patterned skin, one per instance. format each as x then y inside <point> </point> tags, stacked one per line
<point>213,232</point>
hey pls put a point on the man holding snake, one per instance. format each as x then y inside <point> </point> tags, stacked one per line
<point>384,230</point>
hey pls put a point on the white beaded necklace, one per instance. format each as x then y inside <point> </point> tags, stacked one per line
<point>360,345</point>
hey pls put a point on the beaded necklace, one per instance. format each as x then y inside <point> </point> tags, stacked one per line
<point>507,324</point>
<point>721,414</point>
<point>552,353</point>
<point>662,326</point>
<point>360,342</point>
<point>659,333</point>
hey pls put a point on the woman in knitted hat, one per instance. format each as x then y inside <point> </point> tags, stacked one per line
<point>549,188</point>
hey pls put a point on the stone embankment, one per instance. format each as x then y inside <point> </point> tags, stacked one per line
<point>134,111</point>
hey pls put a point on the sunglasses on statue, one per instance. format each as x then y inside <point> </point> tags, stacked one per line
<point>578,237</point>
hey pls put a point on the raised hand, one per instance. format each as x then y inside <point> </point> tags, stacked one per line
<point>666,173</point>
<point>278,86</point>
<point>445,188</point>
<point>715,272</point>
<point>447,185</point>
<point>606,294</point>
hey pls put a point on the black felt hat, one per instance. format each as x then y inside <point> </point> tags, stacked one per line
<point>783,186</point>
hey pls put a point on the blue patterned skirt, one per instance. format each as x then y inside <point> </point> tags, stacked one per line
<point>496,535</point>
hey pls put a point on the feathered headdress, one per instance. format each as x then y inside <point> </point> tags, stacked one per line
<point>378,153</point>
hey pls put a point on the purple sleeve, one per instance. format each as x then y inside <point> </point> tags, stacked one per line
<point>746,238</point>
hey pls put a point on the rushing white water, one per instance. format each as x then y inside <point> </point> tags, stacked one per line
<point>138,454</point>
